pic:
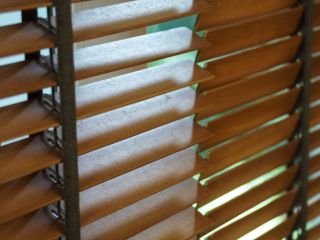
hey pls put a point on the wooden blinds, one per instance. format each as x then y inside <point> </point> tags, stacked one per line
<point>111,129</point>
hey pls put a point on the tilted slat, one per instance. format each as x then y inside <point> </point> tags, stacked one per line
<point>314,210</point>
<point>255,87</point>
<point>316,40</point>
<point>315,91</point>
<point>98,22</point>
<point>24,38</point>
<point>314,165</point>
<point>26,195</point>
<point>314,140</point>
<point>25,118</point>
<point>317,13</point>
<point>122,123</point>
<point>251,144</point>
<point>237,66</point>
<point>248,171</point>
<point>314,115</point>
<point>25,157</point>
<point>257,218</point>
<point>130,88</point>
<point>243,120</point>
<point>314,233</point>
<point>226,11</point>
<point>24,77</point>
<point>145,213</point>
<point>36,226</point>
<point>91,61</point>
<point>251,198</point>
<point>315,67</point>
<point>250,33</point>
<point>129,188</point>
<point>314,187</point>
<point>114,160</point>
<point>186,224</point>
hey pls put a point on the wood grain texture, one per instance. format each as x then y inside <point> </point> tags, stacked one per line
<point>226,11</point>
<point>144,214</point>
<point>122,157</point>
<point>186,224</point>
<point>24,77</point>
<point>25,157</point>
<point>120,192</point>
<point>91,61</point>
<point>234,67</point>
<point>107,95</point>
<point>25,118</point>
<point>250,33</point>
<point>24,38</point>
<point>102,21</point>
<point>254,86</point>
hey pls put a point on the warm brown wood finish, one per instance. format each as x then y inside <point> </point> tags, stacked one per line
<point>24,77</point>
<point>317,13</point>
<point>229,38</point>
<point>25,118</point>
<point>316,40</point>
<point>98,22</point>
<point>314,233</point>
<point>34,39</point>
<point>226,11</point>
<point>237,66</point>
<point>91,61</point>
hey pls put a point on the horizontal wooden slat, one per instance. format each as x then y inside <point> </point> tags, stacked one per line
<point>251,144</point>
<point>315,91</point>
<point>250,33</point>
<point>24,38</point>
<point>122,123</point>
<point>314,164</point>
<point>184,225</point>
<point>91,61</point>
<point>24,77</point>
<point>25,157</point>
<point>127,189</point>
<point>317,13</point>
<point>36,226</point>
<point>315,115</point>
<point>117,18</point>
<point>117,92</point>
<point>145,213</point>
<point>314,140</point>
<point>26,195</point>
<point>226,11</point>
<point>255,87</point>
<point>314,187</point>
<point>248,223</point>
<point>243,120</point>
<point>237,66</point>
<point>114,160</point>
<point>248,171</point>
<point>315,70</point>
<point>314,233</point>
<point>251,198</point>
<point>25,118</point>
<point>314,210</point>
<point>316,40</point>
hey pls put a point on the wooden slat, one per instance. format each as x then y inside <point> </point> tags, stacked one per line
<point>24,38</point>
<point>237,66</point>
<point>255,87</point>
<point>122,123</point>
<point>257,218</point>
<point>314,115</point>
<point>314,233</point>
<point>127,189</point>
<point>226,11</point>
<point>24,77</point>
<point>282,230</point>
<point>130,15</point>
<point>314,140</point>
<point>91,61</point>
<point>145,213</point>
<point>314,187</point>
<point>25,157</point>
<point>314,165</point>
<point>117,92</point>
<point>26,195</point>
<point>243,120</point>
<point>250,33</point>
<point>25,118</point>
<point>317,13</point>
<point>251,144</point>
<point>316,40</point>
<point>248,171</point>
<point>315,91</point>
<point>315,66</point>
<point>114,160</point>
<point>314,210</point>
<point>184,225</point>
<point>36,226</point>
<point>251,198</point>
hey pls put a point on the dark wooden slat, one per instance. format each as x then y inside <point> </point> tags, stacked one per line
<point>250,33</point>
<point>237,66</point>
<point>314,233</point>
<point>314,164</point>
<point>24,38</point>
<point>25,118</point>
<point>91,61</point>
<point>316,40</point>
<point>226,11</point>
